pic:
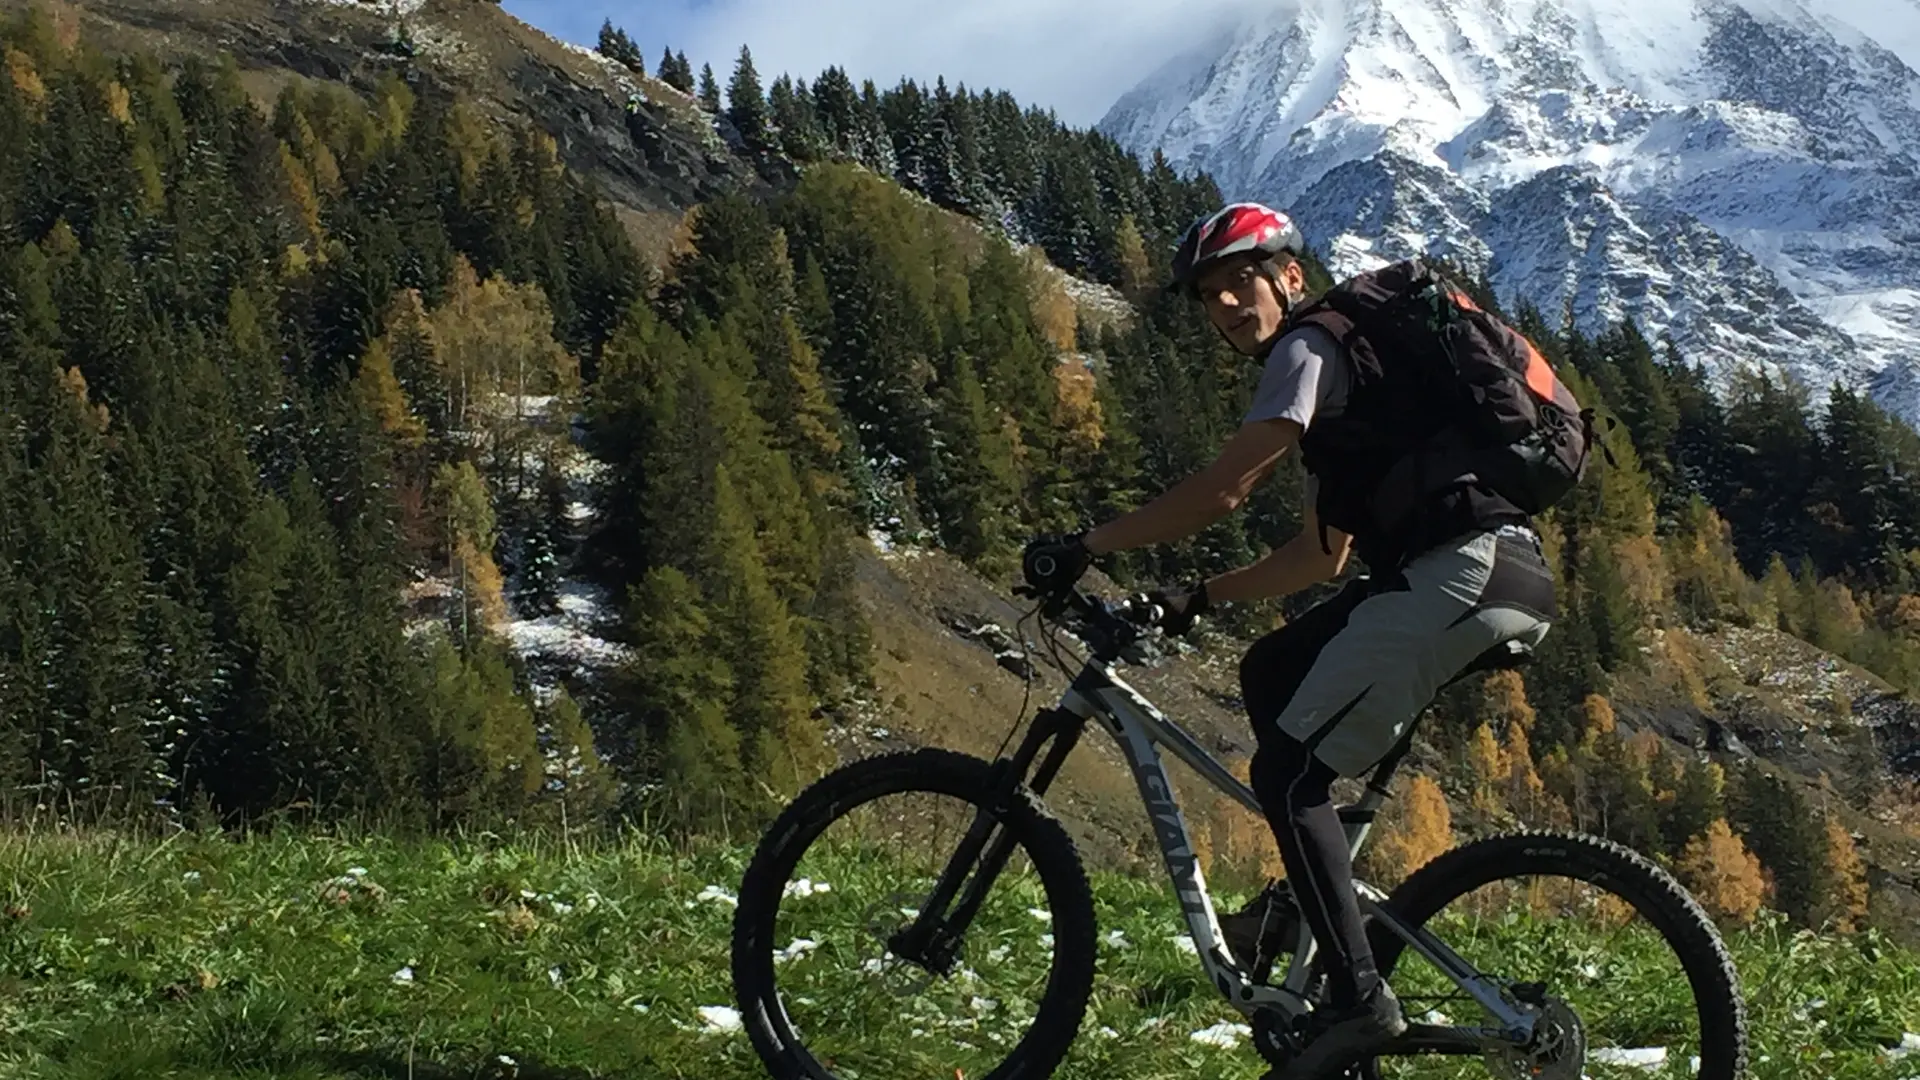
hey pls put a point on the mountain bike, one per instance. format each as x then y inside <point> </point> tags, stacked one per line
<point>975,954</point>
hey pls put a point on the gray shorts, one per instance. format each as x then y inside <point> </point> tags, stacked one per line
<point>1349,677</point>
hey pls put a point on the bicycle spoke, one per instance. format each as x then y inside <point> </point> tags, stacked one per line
<point>1596,973</point>
<point>865,1011</point>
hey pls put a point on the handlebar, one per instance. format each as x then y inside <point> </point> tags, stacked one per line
<point>1115,626</point>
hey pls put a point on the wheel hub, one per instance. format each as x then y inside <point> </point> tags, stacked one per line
<point>1557,1051</point>
<point>885,920</point>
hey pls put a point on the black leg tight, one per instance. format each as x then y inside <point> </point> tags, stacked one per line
<point>1295,789</point>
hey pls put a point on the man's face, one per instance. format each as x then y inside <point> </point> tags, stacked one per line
<point>1242,302</point>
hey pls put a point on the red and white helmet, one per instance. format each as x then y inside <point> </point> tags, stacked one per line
<point>1233,230</point>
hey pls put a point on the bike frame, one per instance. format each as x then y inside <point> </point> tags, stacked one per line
<point>1140,730</point>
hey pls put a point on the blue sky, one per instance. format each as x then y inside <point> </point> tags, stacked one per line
<point>1071,55</point>
<point>1076,58</point>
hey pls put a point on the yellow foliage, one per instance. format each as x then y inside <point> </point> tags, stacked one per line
<point>1722,874</point>
<point>1526,791</point>
<point>321,165</point>
<point>479,580</point>
<point>294,263</point>
<point>1136,271</point>
<point>26,77</point>
<point>393,109</point>
<point>380,391</point>
<point>1553,541</point>
<point>1643,749</point>
<point>1841,609</point>
<point>1597,717</point>
<point>1644,572</point>
<point>544,153</point>
<point>496,338</point>
<point>119,103</point>
<point>1906,614</point>
<point>153,186</point>
<point>60,241</point>
<point>471,139</point>
<point>1231,843</point>
<point>1417,829</point>
<point>301,195</point>
<point>1076,410</point>
<point>1849,900</point>
<point>1504,700</point>
<point>1489,768</point>
<point>93,415</point>
<point>1053,309</point>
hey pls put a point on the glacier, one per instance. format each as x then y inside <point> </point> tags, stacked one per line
<point>1739,176</point>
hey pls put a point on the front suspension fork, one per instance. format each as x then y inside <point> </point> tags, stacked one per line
<point>933,939</point>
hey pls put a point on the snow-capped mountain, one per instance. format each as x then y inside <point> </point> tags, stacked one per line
<point>1744,176</point>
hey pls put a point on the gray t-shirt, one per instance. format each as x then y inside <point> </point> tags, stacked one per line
<point>1305,377</point>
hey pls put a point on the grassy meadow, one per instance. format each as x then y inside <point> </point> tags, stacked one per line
<point>313,956</point>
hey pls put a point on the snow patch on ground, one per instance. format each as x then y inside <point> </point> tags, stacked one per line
<point>381,7</point>
<point>1645,1057</point>
<point>573,634</point>
<point>1226,1035</point>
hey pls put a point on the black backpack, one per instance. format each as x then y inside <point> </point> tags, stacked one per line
<point>1526,437</point>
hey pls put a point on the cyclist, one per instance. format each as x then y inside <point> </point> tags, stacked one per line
<point>1333,691</point>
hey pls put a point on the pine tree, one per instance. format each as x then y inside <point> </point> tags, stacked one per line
<point>976,496</point>
<point>1787,836</point>
<point>837,105</point>
<point>615,45</point>
<point>771,708</point>
<point>1698,802</point>
<point>675,71</point>
<point>747,105</point>
<point>1845,906</point>
<point>677,690</point>
<point>575,774</point>
<point>908,118</point>
<point>709,93</point>
<point>791,110</point>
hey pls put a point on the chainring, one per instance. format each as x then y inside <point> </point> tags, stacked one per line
<point>1557,1051</point>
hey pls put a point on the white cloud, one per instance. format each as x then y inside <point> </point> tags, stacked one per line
<point>1895,24</point>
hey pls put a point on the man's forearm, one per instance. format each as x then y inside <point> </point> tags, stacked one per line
<point>1189,507</point>
<point>1287,569</point>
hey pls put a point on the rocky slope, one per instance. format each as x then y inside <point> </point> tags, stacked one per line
<point>1742,176</point>
<point>653,163</point>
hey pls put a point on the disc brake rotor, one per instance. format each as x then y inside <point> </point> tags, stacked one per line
<point>1558,1050</point>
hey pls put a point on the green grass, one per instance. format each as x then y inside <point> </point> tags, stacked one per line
<point>204,957</point>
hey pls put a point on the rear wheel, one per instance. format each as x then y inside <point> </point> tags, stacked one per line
<point>831,903</point>
<point>1627,975</point>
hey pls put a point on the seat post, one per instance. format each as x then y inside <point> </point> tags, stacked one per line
<point>1357,818</point>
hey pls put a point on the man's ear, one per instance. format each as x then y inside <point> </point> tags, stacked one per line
<point>1296,278</point>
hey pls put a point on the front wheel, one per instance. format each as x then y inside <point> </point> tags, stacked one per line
<point>851,960</point>
<point>1626,974</point>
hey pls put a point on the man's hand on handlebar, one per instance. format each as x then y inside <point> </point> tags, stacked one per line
<point>1052,564</point>
<point>1179,607</point>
